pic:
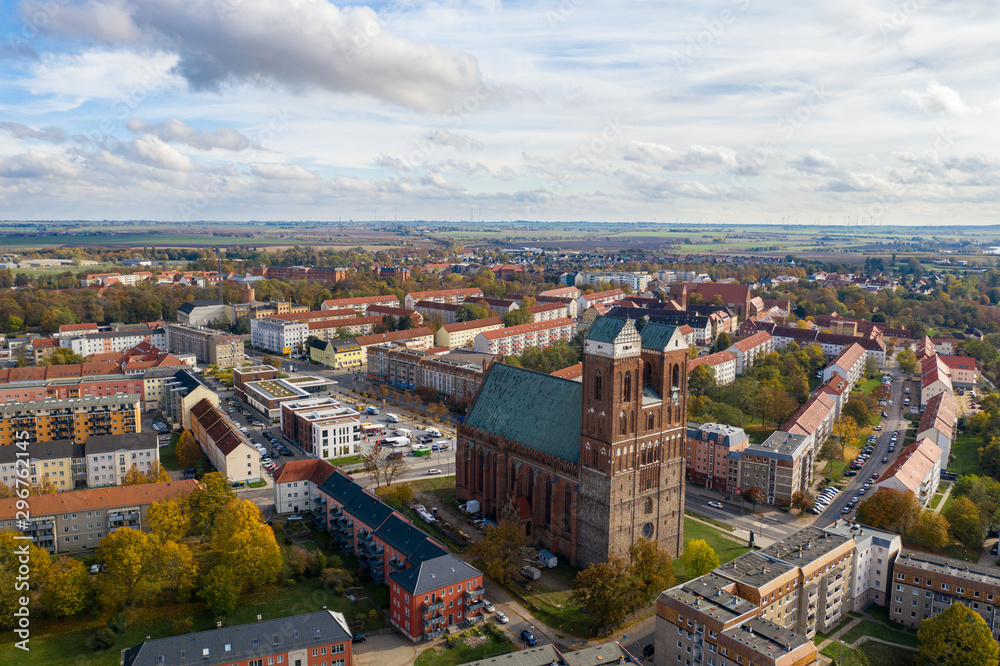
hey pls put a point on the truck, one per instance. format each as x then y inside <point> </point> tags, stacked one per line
<point>397,442</point>
<point>371,410</point>
<point>391,418</point>
<point>404,432</point>
<point>433,432</point>
<point>530,572</point>
<point>441,445</point>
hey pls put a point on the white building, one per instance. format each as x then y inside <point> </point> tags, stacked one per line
<point>296,485</point>
<point>849,364</point>
<point>918,469</point>
<point>277,335</point>
<point>113,341</point>
<point>515,339</point>
<point>606,297</point>
<point>638,281</point>
<point>110,457</point>
<point>875,551</point>
<point>360,304</point>
<point>723,363</point>
<point>749,349</point>
<point>452,296</point>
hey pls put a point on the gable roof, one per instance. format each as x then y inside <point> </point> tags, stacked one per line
<point>400,535</point>
<point>656,336</point>
<point>101,498</point>
<point>606,329</point>
<point>340,488</point>
<point>434,574</point>
<point>368,509</point>
<point>536,410</point>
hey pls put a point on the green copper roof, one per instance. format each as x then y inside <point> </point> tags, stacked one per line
<point>656,336</point>
<point>537,410</point>
<point>606,329</point>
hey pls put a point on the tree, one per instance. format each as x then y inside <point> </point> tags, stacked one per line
<point>469,312</point>
<point>871,367</point>
<point>722,342</point>
<point>247,544</point>
<point>188,450</point>
<point>170,519</point>
<point>604,591</point>
<point>37,568</point>
<point>857,410</point>
<point>132,574</point>
<point>62,356</point>
<point>157,473</point>
<point>517,317</point>
<point>208,500</point>
<point>382,466</point>
<point>699,557</point>
<point>399,496</point>
<point>221,590</point>
<point>651,569</point>
<point>931,531</point>
<point>890,508</point>
<point>846,430</point>
<point>500,551</point>
<point>178,569</point>
<point>754,495</point>
<point>67,588</point>
<point>989,458</point>
<point>133,477</point>
<point>801,500</point>
<point>965,523</point>
<point>958,636</point>
<point>907,361</point>
<point>701,380</point>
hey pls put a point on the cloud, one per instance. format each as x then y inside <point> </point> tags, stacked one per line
<point>939,99</point>
<point>19,131</point>
<point>453,140</point>
<point>153,151</point>
<point>36,165</point>
<point>281,172</point>
<point>439,181</point>
<point>390,162</point>
<point>174,130</point>
<point>693,158</point>
<point>262,42</point>
<point>813,161</point>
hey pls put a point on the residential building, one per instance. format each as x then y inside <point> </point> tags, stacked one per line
<point>322,427</point>
<point>944,346</point>
<point>296,273</point>
<point>849,364</point>
<point>637,280</point>
<point>267,395</point>
<point>562,292</point>
<point>200,313</point>
<point>964,373</point>
<point>814,419</point>
<point>463,334</point>
<point>939,424</point>
<point>722,363</point>
<point>751,348</point>
<point>108,279</point>
<point>284,336</point>
<point>455,375</point>
<point>338,354</point>
<point>453,296</point>
<point>446,312</point>
<point>924,585</point>
<point>296,483</point>
<point>43,348</point>
<point>108,458</point>
<point>313,639</point>
<point>707,452</point>
<point>935,378</point>
<point>547,311</point>
<point>119,341</point>
<point>500,306</point>
<point>414,338</point>
<point>60,462</point>
<point>585,468</point>
<point>77,520</point>
<point>76,329</point>
<point>836,388</point>
<point>360,304</point>
<point>70,418</point>
<point>779,466</point>
<point>228,449</point>
<point>875,551</point>
<point>607,297</point>
<point>416,318</point>
<point>917,469</point>
<point>208,345</point>
<point>832,344</point>
<point>436,593</point>
<point>513,340</point>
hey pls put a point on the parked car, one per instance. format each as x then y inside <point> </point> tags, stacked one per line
<point>189,473</point>
<point>434,470</point>
<point>846,509</point>
<point>359,638</point>
<point>488,607</point>
<point>713,503</point>
<point>648,651</point>
<point>502,618</point>
<point>885,459</point>
<point>294,517</point>
<point>528,638</point>
<point>850,472</point>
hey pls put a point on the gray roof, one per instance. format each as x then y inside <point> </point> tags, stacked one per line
<point>400,535</point>
<point>188,381</point>
<point>656,336</point>
<point>127,442</point>
<point>340,488</point>
<point>369,510</point>
<point>805,545</point>
<point>428,550</point>
<point>42,451</point>
<point>434,574</point>
<point>606,329</point>
<point>245,641</point>
<point>191,305</point>
<point>536,410</point>
<point>542,655</point>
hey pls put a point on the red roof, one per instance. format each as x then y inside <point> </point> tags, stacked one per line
<point>527,328</point>
<point>572,372</point>
<point>394,336</point>
<point>712,359</point>
<point>69,328</point>
<point>473,324</point>
<point>361,300</point>
<point>101,498</point>
<point>44,343</point>
<point>340,323</point>
<point>755,340</point>
<point>469,291</point>
<point>316,470</point>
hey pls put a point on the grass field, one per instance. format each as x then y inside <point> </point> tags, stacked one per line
<point>725,547</point>
<point>876,630</point>
<point>168,454</point>
<point>966,451</point>
<point>460,653</point>
<point>877,654</point>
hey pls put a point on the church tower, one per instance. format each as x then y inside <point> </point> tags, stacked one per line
<point>632,429</point>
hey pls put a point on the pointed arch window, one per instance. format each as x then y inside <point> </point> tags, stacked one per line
<point>627,387</point>
<point>597,385</point>
<point>624,423</point>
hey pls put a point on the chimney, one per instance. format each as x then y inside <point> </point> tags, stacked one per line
<point>788,647</point>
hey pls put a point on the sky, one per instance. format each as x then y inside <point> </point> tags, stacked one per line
<point>728,111</point>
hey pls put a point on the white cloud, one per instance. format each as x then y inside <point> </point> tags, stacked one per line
<point>453,140</point>
<point>692,158</point>
<point>939,98</point>
<point>176,130</point>
<point>155,152</point>
<point>281,172</point>
<point>124,79</point>
<point>36,165</point>
<point>19,131</point>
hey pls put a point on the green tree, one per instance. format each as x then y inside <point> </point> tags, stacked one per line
<point>701,380</point>
<point>857,410</point>
<point>62,356</point>
<point>965,523</point>
<point>10,563</point>
<point>605,592</point>
<point>699,557</point>
<point>907,361</point>
<point>469,312</point>
<point>500,551</point>
<point>221,590</point>
<point>958,636</point>
<point>650,568</point>
<point>133,572</point>
<point>67,588</point>
<point>517,317</point>
<point>931,530</point>
<point>188,450</point>
<point>871,367</point>
<point>722,342</point>
<point>207,501</point>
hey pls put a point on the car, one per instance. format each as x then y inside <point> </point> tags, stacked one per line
<point>96,568</point>
<point>877,428</point>
<point>846,509</point>
<point>231,410</point>
<point>816,510</point>
<point>434,470</point>
<point>189,473</point>
<point>359,638</point>
<point>862,491</point>
<point>885,459</point>
<point>822,500</point>
<point>488,607</point>
<point>238,484</point>
<point>850,472</point>
<point>854,499</point>
<point>649,651</point>
<point>293,517</point>
<point>528,638</point>
<point>713,503</point>
<point>502,617</point>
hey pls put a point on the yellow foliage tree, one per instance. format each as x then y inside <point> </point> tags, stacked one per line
<point>247,544</point>
<point>170,519</point>
<point>699,557</point>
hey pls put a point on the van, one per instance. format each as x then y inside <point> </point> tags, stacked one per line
<point>907,390</point>
<point>404,432</point>
<point>433,432</point>
<point>906,402</point>
<point>440,445</point>
<point>391,418</point>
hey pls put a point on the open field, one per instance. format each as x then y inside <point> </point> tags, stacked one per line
<point>725,547</point>
<point>966,452</point>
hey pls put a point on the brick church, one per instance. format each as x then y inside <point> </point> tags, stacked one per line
<point>586,468</point>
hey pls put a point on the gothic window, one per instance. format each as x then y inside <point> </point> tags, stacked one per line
<point>650,421</point>
<point>649,505</point>
<point>597,385</point>
<point>513,478</point>
<point>548,500</point>
<point>627,387</point>
<point>647,374</point>
<point>567,508</point>
<point>676,377</point>
<point>647,530</point>
<point>624,423</point>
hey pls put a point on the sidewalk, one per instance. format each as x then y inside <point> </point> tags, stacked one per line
<point>944,499</point>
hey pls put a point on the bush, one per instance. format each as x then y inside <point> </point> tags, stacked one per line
<point>337,578</point>
<point>181,626</point>
<point>118,623</point>
<point>103,639</point>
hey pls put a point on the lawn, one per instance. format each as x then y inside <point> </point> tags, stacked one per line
<point>878,654</point>
<point>168,453</point>
<point>344,461</point>
<point>724,546</point>
<point>819,638</point>
<point>936,500</point>
<point>717,523</point>
<point>458,652</point>
<point>966,452</point>
<point>836,468</point>
<point>877,630</point>
<point>870,385</point>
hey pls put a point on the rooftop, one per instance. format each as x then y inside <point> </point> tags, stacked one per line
<point>69,403</point>
<point>781,445</point>
<point>753,569</point>
<point>811,542</point>
<point>100,498</point>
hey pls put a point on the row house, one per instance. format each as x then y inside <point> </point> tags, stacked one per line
<point>514,340</point>
<point>360,304</point>
<point>228,449</point>
<point>722,363</point>
<point>939,424</point>
<point>749,349</point>
<point>707,454</point>
<point>917,469</point>
<point>452,296</point>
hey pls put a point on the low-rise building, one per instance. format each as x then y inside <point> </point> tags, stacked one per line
<point>208,345</point>
<point>322,427</point>
<point>935,378</point>
<point>43,348</point>
<point>61,462</point>
<point>751,348</point>
<point>917,469</point>
<point>964,373</point>
<point>513,340</point>
<point>454,296</point>
<point>338,353</point>
<point>939,424</point>
<point>464,333</point>
<point>708,450</point>
<point>722,363</point>
<point>77,520</point>
<point>220,439</point>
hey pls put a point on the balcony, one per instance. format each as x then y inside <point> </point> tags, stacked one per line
<point>432,606</point>
<point>475,594</point>
<point>396,563</point>
<point>432,623</point>
<point>319,501</point>
<point>473,606</point>
<point>430,635</point>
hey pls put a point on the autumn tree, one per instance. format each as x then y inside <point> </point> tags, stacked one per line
<point>500,550</point>
<point>188,450</point>
<point>907,361</point>
<point>170,519</point>
<point>699,557</point>
<point>857,410</point>
<point>846,430</point>
<point>965,523</point>
<point>10,562</point>
<point>890,508</point>
<point>246,543</point>
<point>801,500</point>
<point>133,573</point>
<point>178,569</point>
<point>754,495</point>
<point>701,380</point>
<point>604,591</point>
<point>382,466</point>
<point>650,568</point>
<point>157,473</point>
<point>67,588</point>
<point>958,636</point>
<point>931,530</point>
<point>221,590</point>
<point>208,500</point>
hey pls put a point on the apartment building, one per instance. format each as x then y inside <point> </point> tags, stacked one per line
<point>455,375</point>
<point>447,312</point>
<point>964,373</point>
<point>223,443</point>
<point>266,396</point>
<point>515,339</point>
<point>61,462</point>
<point>749,349</point>
<point>414,338</point>
<point>73,418</point>
<point>321,638</point>
<point>464,333</point>
<point>296,483</point>
<point>200,312</point>
<point>814,419</point>
<point>108,279</point>
<point>43,348</point>
<point>832,344</point>
<point>562,292</point>
<point>76,329</point>
<point>849,364</point>
<point>360,304</point>
<point>295,273</point>
<point>435,594</point>
<point>547,311</point>
<point>398,313</point>
<point>924,585</point>
<point>917,469</point>
<point>722,363</point>
<point>453,296</point>
<point>108,458</point>
<point>939,424</point>
<point>935,378</point>
<point>870,573</point>
<point>77,520</point>
<point>779,466</point>
<point>322,427</point>
<point>120,341</point>
<point>836,388</point>
<point>708,450</point>
<point>208,345</point>
<point>181,392</point>
<point>338,354</point>
<point>637,281</point>
<point>283,336</point>
<point>605,297</point>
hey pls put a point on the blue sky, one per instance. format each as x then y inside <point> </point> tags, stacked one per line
<point>729,111</point>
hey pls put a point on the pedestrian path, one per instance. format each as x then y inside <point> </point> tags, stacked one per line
<point>944,499</point>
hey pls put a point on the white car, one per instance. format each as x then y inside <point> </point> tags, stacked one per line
<point>717,505</point>
<point>434,470</point>
<point>488,607</point>
<point>502,618</point>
